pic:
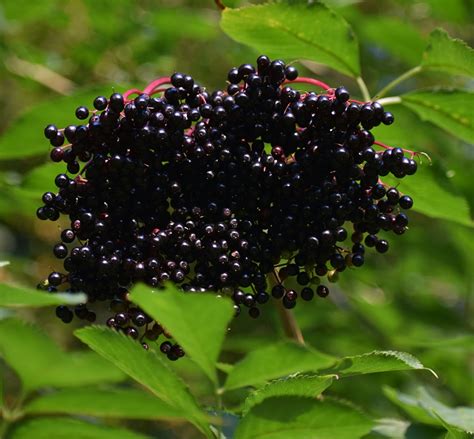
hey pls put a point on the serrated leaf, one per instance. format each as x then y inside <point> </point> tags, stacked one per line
<point>433,196</point>
<point>106,403</point>
<point>146,367</point>
<point>376,362</point>
<point>424,408</point>
<point>451,110</point>
<point>197,321</point>
<point>298,385</point>
<point>295,30</point>
<point>18,297</point>
<point>60,428</point>
<point>449,55</point>
<point>28,350</point>
<point>24,138</point>
<point>294,417</point>
<point>275,361</point>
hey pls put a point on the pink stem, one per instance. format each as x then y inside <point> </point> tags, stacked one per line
<point>156,83</point>
<point>310,81</point>
<point>131,92</point>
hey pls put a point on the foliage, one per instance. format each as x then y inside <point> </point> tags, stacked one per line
<point>238,379</point>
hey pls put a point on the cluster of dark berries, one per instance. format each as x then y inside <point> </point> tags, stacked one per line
<point>254,191</point>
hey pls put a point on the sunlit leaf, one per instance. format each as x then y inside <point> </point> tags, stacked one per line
<point>376,362</point>
<point>448,54</point>
<point>18,297</point>
<point>294,417</point>
<point>146,367</point>
<point>296,30</point>
<point>297,385</point>
<point>448,109</point>
<point>275,361</point>
<point>197,321</point>
<point>434,196</point>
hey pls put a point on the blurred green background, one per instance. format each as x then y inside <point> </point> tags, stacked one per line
<point>58,54</point>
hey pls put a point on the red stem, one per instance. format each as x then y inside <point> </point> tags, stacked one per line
<point>310,81</point>
<point>156,83</point>
<point>382,145</point>
<point>131,92</point>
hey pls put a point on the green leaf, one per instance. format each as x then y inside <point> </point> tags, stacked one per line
<point>410,406</point>
<point>296,29</point>
<point>453,432</point>
<point>448,54</point>
<point>424,408</point>
<point>275,361</point>
<point>397,429</point>
<point>376,362</point>
<point>298,385</point>
<point>60,428</point>
<point>18,297</point>
<point>81,368</point>
<point>294,417</point>
<point>459,417</point>
<point>392,428</point>
<point>108,403</point>
<point>448,109</point>
<point>146,367</point>
<point>197,321</point>
<point>24,138</point>
<point>28,350</point>
<point>425,187</point>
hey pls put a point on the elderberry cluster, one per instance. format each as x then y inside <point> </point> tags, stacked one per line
<point>254,191</point>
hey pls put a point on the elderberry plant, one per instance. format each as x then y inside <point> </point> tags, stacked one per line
<point>182,213</point>
<point>260,190</point>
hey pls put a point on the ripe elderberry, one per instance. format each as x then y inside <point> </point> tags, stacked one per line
<point>238,191</point>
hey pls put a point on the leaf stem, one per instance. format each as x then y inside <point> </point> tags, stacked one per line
<point>287,318</point>
<point>290,325</point>
<point>390,100</point>
<point>363,88</point>
<point>410,73</point>
<point>310,81</point>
